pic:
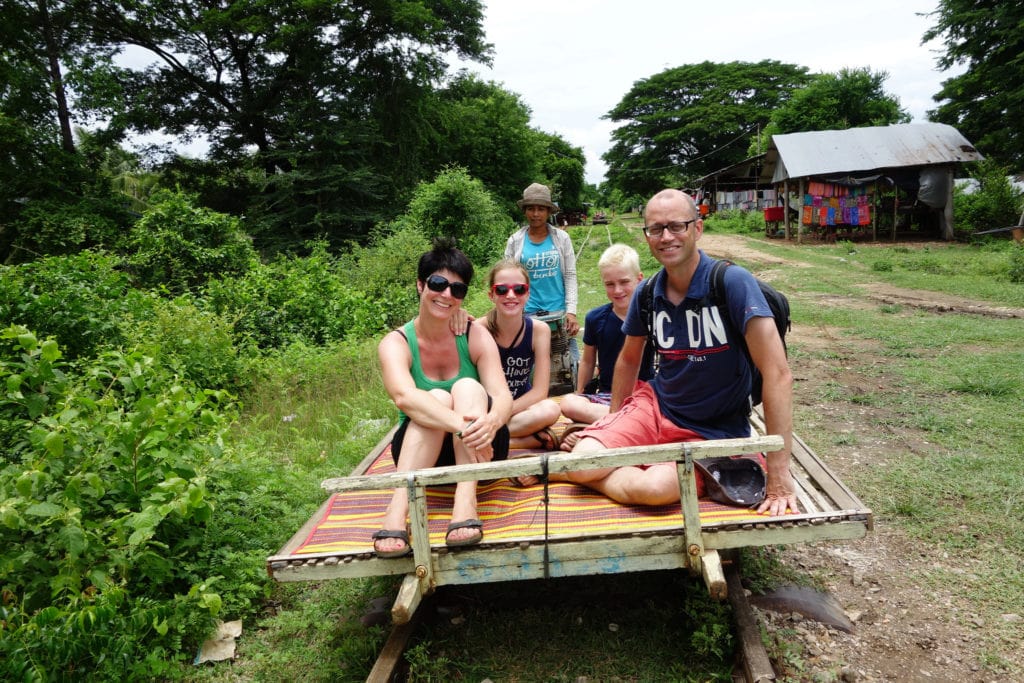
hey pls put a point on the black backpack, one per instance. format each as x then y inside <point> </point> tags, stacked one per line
<point>777,302</point>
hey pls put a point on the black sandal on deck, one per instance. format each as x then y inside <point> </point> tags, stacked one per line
<point>401,534</point>
<point>464,524</point>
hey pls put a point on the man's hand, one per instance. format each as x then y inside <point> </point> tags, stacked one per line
<point>781,494</point>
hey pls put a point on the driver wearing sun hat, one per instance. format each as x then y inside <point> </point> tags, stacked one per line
<point>546,252</point>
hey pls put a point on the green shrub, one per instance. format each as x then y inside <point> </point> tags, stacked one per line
<point>103,500</point>
<point>459,206</point>
<point>197,344</point>
<point>316,299</point>
<point>734,221</point>
<point>178,245</point>
<point>1017,262</point>
<point>995,203</point>
<point>78,299</point>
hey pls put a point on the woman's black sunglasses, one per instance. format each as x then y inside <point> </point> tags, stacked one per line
<point>438,283</point>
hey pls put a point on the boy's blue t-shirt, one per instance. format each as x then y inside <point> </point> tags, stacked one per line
<point>603,330</point>
<point>547,286</point>
<point>704,379</point>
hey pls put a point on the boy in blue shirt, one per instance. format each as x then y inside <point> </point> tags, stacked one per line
<point>603,339</point>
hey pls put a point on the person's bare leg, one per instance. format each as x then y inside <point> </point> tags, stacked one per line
<point>469,398</point>
<point>656,485</point>
<point>420,448</point>
<point>584,477</point>
<point>581,409</point>
<point>524,425</point>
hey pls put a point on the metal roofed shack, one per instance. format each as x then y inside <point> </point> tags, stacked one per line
<point>850,181</point>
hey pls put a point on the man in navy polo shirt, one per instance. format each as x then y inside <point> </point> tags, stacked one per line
<point>703,383</point>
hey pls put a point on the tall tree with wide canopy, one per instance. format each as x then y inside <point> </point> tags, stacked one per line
<point>485,129</point>
<point>986,102</point>
<point>324,97</point>
<point>851,98</point>
<point>690,120</point>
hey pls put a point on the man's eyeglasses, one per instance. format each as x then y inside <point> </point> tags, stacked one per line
<point>517,289</point>
<point>438,283</point>
<point>675,227</point>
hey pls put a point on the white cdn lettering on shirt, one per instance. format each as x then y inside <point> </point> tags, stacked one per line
<point>704,328</point>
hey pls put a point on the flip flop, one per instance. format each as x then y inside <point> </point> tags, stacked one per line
<point>571,429</point>
<point>464,524</point>
<point>401,534</point>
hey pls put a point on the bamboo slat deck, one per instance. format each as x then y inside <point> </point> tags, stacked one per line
<point>561,529</point>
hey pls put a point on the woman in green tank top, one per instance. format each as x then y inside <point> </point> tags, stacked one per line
<point>451,395</point>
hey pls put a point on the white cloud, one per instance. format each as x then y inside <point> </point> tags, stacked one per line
<point>572,61</point>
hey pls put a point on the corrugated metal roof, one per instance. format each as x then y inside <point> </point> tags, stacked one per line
<point>868,149</point>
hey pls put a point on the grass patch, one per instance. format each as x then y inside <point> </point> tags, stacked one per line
<point>944,389</point>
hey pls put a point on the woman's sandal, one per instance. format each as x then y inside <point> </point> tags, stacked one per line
<point>401,534</point>
<point>464,524</point>
<point>548,439</point>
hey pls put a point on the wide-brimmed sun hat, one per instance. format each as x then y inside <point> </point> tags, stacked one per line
<point>537,195</point>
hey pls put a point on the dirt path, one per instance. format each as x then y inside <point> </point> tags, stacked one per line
<point>908,627</point>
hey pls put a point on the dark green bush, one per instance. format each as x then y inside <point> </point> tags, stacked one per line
<point>197,344</point>
<point>78,299</point>
<point>1017,262</point>
<point>178,245</point>
<point>735,221</point>
<point>54,227</point>
<point>315,299</point>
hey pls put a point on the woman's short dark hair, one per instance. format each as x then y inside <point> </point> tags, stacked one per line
<point>444,256</point>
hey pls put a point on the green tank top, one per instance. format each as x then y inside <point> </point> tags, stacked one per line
<point>466,367</point>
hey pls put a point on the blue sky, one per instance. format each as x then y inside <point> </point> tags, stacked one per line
<point>573,60</point>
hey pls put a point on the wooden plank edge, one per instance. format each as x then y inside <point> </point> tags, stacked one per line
<point>390,656</point>
<point>756,664</point>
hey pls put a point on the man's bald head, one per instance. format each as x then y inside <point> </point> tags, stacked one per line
<point>671,196</point>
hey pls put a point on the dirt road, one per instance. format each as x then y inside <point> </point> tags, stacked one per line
<point>908,627</point>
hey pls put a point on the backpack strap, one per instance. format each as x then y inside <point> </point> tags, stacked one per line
<point>647,310</point>
<point>721,299</point>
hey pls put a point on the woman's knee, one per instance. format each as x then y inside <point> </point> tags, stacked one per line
<point>442,397</point>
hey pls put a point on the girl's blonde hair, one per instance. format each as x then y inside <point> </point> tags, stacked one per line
<point>503,264</point>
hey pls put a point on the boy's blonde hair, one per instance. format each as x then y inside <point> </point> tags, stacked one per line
<point>620,255</point>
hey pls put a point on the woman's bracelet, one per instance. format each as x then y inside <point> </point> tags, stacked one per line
<point>459,433</point>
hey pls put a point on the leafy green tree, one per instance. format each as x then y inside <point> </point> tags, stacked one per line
<point>562,166</point>
<point>690,120</point>
<point>328,100</point>
<point>993,203</point>
<point>485,130</point>
<point>51,199</point>
<point>986,102</point>
<point>850,98</point>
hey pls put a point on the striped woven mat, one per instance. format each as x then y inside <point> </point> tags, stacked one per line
<point>509,513</point>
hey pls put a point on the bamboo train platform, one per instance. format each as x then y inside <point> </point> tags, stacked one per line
<point>558,529</point>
